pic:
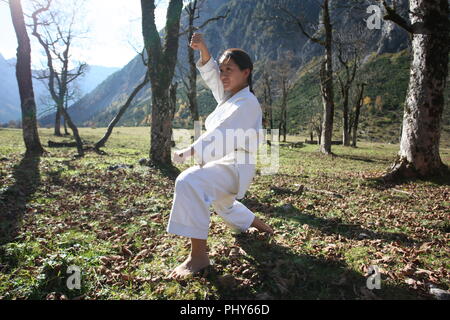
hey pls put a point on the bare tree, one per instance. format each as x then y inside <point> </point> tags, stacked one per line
<point>47,103</point>
<point>316,126</point>
<point>56,42</point>
<point>73,94</point>
<point>354,117</point>
<point>286,87</point>
<point>268,100</point>
<point>348,53</point>
<point>193,13</point>
<point>162,59</point>
<point>419,147</point>
<point>25,82</point>
<point>282,77</point>
<point>326,71</point>
<point>266,91</point>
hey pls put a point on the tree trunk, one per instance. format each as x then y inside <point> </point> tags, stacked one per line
<point>24,81</point>
<point>346,131</point>
<point>319,137</point>
<point>112,124</point>
<point>268,118</point>
<point>192,90</point>
<point>66,105</point>
<point>74,129</point>
<point>357,112</point>
<point>69,121</point>
<point>283,125</point>
<point>279,132</point>
<point>192,94</point>
<point>161,133</point>
<point>173,106</point>
<point>419,146</point>
<point>66,132</point>
<point>327,85</point>
<point>161,66</point>
<point>61,99</point>
<point>58,122</point>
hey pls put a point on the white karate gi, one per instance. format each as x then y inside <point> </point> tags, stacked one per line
<point>222,177</point>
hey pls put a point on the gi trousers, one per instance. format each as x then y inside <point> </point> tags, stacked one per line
<point>196,189</point>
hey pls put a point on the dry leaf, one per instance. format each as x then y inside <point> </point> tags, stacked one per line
<point>126,252</point>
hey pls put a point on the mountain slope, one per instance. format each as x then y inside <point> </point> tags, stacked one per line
<point>9,91</point>
<point>94,76</point>
<point>249,25</point>
<point>7,94</point>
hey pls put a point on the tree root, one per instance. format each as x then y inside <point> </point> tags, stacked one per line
<point>403,169</point>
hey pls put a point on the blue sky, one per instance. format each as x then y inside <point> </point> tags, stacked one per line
<point>114,29</point>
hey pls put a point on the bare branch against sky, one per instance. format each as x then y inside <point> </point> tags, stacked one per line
<point>114,29</point>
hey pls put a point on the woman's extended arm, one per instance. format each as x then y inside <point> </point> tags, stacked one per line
<point>181,156</point>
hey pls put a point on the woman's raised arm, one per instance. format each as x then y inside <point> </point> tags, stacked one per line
<point>209,70</point>
<point>198,43</point>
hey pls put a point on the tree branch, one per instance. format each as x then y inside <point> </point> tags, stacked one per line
<point>302,29</point>
<point>152,40</point>
<point>206,23</point>
<point>393,16</point>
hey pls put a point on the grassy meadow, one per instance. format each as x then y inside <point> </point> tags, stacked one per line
<point>57,211</point>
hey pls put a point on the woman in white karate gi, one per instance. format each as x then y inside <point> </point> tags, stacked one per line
<point>222,176</point>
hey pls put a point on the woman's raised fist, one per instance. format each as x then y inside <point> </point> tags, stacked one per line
<point>197,42</point>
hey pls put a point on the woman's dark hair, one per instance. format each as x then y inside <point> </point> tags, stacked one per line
<point>242,59</point>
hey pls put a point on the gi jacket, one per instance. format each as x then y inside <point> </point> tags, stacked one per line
<point>233,129</point>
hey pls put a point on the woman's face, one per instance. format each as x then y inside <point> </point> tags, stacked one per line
<point>233,78</point>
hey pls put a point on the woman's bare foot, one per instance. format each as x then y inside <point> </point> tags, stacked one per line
<point>190,266</point>
<point>261,226</point>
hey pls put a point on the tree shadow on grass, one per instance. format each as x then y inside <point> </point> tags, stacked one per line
<point>14,200</point>
<point>349,231</point>
<point>167,170</point>
<point>381,184</point>
<point>13,205</point>
<point>358,158</point>
<point>277,272</point>
<point>257,206</point>
<point>330,226</point>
